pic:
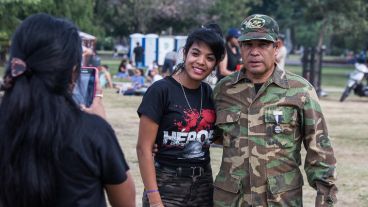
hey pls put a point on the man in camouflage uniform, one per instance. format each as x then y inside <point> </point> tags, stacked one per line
<point>264,115</point>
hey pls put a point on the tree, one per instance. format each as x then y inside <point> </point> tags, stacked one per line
<point>314,22</point>
<point>154,16</point>
<point>231,13</point>
<point>180,16</point>
<point>11,15</point>
<point>13,12</point>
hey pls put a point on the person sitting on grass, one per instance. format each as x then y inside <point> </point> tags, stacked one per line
<point>105,76</point>
<point>137,84</point>
<point>122,70</point>
<point>155,75</point>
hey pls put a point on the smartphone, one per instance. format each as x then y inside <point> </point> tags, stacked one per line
<point>85,88</point>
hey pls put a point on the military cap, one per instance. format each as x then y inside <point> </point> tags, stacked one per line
<point>259,27</point>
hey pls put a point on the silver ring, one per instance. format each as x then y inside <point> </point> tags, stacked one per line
<point>99,95</point>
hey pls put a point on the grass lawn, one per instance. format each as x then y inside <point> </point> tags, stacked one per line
<point>331,76</point>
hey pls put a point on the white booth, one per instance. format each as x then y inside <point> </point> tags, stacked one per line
<point>180,42</point>
<point>179,45</point>
<point>155,47</point>
<point>165,45</point>
<point>151,49</point>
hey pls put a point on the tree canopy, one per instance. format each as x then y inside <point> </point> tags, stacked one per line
<point>339,24</point>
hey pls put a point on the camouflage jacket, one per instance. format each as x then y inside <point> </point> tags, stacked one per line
<point>262,135</point>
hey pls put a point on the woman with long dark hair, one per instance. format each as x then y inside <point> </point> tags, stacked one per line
<point>51,152</point>
<point>177,113</point>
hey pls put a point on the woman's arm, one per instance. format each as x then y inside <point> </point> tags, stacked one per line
<point>122,195</point>
<point>146,139</point>
<point>223,67</point>
<point>108,78</point>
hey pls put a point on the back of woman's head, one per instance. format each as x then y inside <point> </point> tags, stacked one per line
<point>211,37</point>
<point>37,110</point>
<point>50,47</point>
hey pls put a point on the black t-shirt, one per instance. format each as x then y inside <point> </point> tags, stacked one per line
<point>91,160</point>
<point>182,138</point>
<point>138,53</point>
<point>232,60</point>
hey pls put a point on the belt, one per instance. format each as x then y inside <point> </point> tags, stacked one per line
<point>194,171</point>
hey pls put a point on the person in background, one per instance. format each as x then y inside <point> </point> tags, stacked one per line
<point>212,78</point>
<point>137,84</point>
<point>169,62</point>
<point>105,76</point>
<point>150,67</point>
<point>94,60</point>
<point>137,79</point>
<point>122,70</point>
<point>52,153</point>
<point>264,115</point>
<point>177,114</point>
<point>138,55</point>
<point>282,53</point>
<point>129,65</point>
<point>233,55</point>
<point>155,75</point>
<point>86,55</point>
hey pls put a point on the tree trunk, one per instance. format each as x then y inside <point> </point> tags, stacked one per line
<point>322,32</point>
<point>318,62</point>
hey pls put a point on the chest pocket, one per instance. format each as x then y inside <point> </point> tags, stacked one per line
<point>281,126</point>
<point>228,124</point>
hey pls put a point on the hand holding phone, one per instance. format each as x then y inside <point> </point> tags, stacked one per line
<point>85,88</point>
<point>89,97</point>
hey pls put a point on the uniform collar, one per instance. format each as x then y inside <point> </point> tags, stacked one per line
<point>278,77</point>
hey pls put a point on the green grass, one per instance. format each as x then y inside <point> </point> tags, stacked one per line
<point>325,57</point>
<point>113,64</point>
<point>331,76</point>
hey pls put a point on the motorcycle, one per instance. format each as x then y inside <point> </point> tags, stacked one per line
<point>355,82</point>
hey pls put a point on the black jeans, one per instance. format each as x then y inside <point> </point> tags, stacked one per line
<point>184,190</point>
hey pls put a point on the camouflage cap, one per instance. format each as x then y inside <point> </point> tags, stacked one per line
<point>259,27</point>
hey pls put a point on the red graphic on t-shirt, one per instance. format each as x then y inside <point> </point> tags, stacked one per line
<point>194,122</point>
